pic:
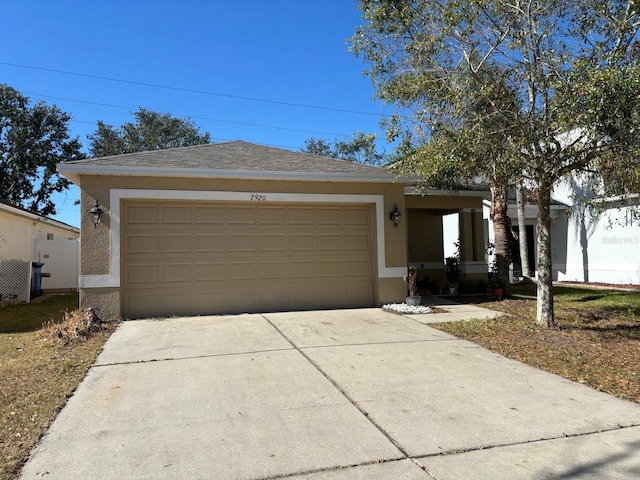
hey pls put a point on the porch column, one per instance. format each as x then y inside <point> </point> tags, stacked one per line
<point>472,248</point>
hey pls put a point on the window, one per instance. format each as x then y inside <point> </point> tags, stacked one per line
<point>49,236</point>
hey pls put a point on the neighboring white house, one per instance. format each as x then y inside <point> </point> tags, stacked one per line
<point>33,238</point>
<point>596,247</point>
<point>558,233</point>
<point>585,247</point>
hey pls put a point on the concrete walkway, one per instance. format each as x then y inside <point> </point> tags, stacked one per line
<point>329,395</point>
<point>453,311</point>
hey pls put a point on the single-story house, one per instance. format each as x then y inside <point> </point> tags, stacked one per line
<point>34,238</point>
<point>237,227</point>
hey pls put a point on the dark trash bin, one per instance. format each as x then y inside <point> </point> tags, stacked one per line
<point>36,279</point>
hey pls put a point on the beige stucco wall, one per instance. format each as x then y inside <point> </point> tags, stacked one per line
<point>96,248</point>
<point>392,290</point>
<point>107,300</point>
<point>425,244</point>
<point>18,235</point>
<point>425,236</point>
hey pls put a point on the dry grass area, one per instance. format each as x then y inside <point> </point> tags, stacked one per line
<point>45,351</point>
<point>597,341</point>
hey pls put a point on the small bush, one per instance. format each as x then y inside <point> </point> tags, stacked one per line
<point>76,325</point>
<point>10,303</point>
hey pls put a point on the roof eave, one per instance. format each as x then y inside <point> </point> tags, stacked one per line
<point>448,193</point>
<point>38,218</point>
<point>73,173</point>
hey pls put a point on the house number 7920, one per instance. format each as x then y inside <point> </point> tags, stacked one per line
<point>258,198</point>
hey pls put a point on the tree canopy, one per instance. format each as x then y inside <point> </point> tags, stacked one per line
<point>149,131</point>
<point>33,139</point>
<point>535,89</point>
<point>359,148</point>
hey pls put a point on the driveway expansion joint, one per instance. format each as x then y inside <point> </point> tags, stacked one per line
<point>393,441</point>
<point>192,357</point>
<point>331,469</point>
<point>423,468</point>
<point>524,442</point>
<point>364,344</point>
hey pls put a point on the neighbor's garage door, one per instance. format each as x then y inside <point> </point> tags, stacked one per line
<point>202,257</point>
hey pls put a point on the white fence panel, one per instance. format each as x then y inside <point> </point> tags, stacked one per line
<point>15,280</point>
<point>61,260</point>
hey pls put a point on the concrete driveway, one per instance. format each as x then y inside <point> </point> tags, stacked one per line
<point>330,395</point>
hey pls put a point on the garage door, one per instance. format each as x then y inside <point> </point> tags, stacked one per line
<point>204,258</point>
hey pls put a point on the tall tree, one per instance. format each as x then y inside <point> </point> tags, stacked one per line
<point>320,147</point>
<point>149,131</point>
<point>572,66</point>
<point>471,140</point>
<point>33,139</point>
<point>360,147</point>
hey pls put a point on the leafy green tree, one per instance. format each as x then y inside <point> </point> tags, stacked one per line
<point>320,147</point>
<point>33,139</point>
<point>149,131</point>
<point>569,70</point>
<point>360,148</point>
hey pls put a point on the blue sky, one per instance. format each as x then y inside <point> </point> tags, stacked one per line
<point>271,72</point>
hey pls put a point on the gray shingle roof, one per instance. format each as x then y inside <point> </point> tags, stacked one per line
<point>236,159</point>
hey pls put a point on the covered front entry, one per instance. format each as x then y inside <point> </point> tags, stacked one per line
<point>425,245</point>
<point>197,257</point>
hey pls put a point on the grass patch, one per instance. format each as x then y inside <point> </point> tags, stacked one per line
<point>43,357</point>
<point>597,342</point>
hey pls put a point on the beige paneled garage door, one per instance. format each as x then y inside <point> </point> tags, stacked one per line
<point>203,258</point>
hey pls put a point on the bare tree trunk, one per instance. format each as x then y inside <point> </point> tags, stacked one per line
<point>522,232</point>
<point>545,313</point>
<point>502,232</point>
<point>584,245</point>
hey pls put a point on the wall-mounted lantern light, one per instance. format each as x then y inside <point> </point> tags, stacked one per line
<point>96,213</point>
<point>395,215</point>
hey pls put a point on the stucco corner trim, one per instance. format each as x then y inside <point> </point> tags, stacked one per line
<point>99,281</point>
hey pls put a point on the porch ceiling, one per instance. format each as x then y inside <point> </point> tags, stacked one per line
<point>443,203</point>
